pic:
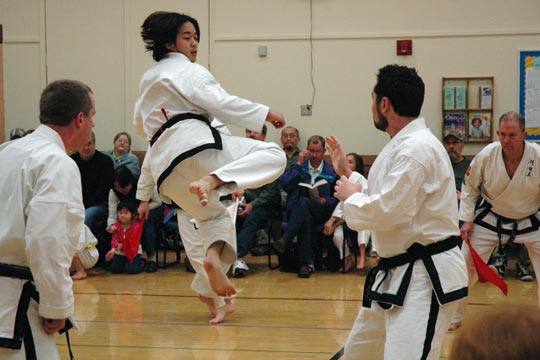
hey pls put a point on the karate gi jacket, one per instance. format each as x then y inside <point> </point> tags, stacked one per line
<point>411,198</point>
<point>178,86</point>
<point>515,198</point>
<point>41,220</point>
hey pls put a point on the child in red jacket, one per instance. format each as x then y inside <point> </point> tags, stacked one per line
<point>126,247</point>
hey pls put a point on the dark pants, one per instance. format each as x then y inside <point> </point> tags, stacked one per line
<point>247,227</point>
<point>120,264</point>
<point>149,239</point>
<point>95,217</point>
<point>303,218</point>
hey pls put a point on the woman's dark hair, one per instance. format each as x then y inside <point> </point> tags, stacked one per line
<point>123,176</point>
<point>160,28</point>
<point>359,163</point>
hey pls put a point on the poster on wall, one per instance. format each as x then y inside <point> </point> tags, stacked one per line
<point>529,91</point>
<point>454,123</point>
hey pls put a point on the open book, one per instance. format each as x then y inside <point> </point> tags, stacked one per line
<point>313,189</point>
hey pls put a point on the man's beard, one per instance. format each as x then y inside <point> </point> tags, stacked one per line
<point>454,156</point>
<point>382,124</point>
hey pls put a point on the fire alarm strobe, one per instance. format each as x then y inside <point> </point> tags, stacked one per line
<point>404,47</point>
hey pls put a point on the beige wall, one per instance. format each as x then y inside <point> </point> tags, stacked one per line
<point>98,43</point>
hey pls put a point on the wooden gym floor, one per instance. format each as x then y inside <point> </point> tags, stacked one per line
<point>279,316</point>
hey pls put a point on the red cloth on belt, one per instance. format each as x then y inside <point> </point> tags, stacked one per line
<point>485,274</point>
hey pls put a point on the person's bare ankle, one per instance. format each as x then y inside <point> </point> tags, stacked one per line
<point>219,281</point>
<point>223,312</point>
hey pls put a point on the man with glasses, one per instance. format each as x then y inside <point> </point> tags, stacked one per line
<point>307,208</point>
<point>290,137</point>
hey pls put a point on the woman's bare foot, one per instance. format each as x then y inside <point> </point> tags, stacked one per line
<point>223,312</point>
<point>219,281</point>
<point>210,303</point>
<point>362,261</point>
<point>204,186</point>
<point>79,275</point>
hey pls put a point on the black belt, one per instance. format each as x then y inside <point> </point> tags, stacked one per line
<point>501,220</point>
<point>22,331</point>
<point>415,252</point>
<point>173,121</point>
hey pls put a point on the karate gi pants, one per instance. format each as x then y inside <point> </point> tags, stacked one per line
<point>242,163</point>
<point>44,343</point>
<point>411,332</point>
<point>484,241</point>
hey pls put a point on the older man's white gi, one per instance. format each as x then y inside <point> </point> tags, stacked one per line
<point>411,199</point>
<point>192,148</point>
<point>41,218</point>
<point>517,199</point>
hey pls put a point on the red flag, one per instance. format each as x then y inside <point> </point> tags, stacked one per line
<point>485,273</point>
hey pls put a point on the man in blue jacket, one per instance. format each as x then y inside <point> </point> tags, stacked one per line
<point>307,207</point>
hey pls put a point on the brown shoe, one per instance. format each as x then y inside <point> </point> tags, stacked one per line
<point>304,272</point>
<point>280,245</point>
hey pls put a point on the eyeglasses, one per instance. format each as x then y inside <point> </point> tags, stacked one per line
<point>288,136</point>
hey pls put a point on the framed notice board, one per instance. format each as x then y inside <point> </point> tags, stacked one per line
<point>529,91</point>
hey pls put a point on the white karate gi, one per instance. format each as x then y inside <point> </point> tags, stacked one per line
<point>517,198</point>
<point>192,149</point>
<point>86,250</point>
<point>41,218</point>
<point>411,199</point>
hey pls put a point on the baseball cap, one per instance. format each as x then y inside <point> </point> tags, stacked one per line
<point>455,134</point>
<point>16,133</point>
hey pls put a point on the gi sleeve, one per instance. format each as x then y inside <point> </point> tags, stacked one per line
<point>113,204</point>
<point>145,185</point>
<point>55,219</point>
<point>205,92</point>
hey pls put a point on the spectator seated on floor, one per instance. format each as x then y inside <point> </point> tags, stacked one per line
<point>254,213</point>
<point>97,173</point>
<point>86,257</point>
<point>307,205</point>
<point>124,189</point>
<point>122,156</point>
<point>335,226</point>
<point>126,247</point>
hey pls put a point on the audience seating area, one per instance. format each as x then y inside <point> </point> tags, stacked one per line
<point>327,255</point>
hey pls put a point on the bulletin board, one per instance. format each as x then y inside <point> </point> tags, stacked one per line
<point>529,91</point>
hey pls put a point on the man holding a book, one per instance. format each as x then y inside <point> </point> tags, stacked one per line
<point>309,185</point>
